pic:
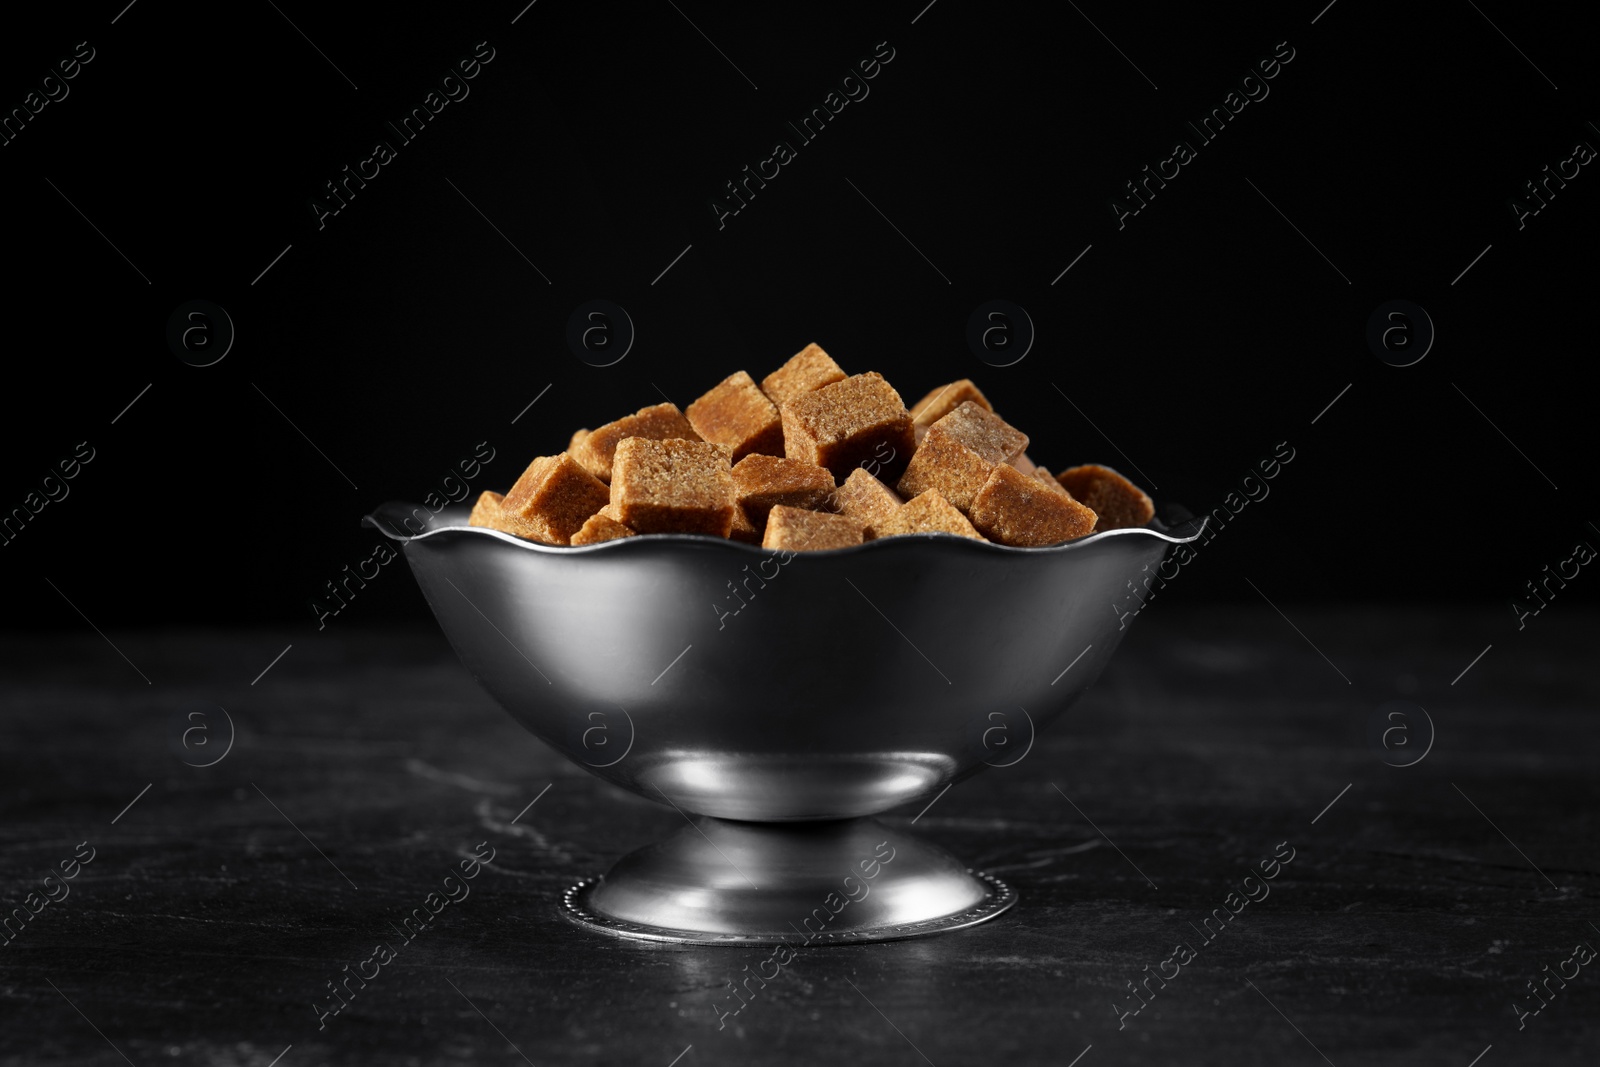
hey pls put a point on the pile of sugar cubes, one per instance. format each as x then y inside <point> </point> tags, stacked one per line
<point>810,459</point>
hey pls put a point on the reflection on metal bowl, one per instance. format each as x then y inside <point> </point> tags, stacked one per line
<point>791,698</point>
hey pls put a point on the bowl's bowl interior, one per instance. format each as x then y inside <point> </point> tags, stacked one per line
<point>737,682</point>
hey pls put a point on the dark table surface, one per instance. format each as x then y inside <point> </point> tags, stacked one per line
<point>218,906</point>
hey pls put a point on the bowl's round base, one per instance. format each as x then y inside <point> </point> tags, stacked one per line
<point>723,882</point>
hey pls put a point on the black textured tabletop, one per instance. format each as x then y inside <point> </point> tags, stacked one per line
<point>1255,841</point>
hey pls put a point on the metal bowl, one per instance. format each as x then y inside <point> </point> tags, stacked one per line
<point>782,698</point>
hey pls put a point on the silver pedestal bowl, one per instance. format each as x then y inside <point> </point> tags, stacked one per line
<point>779,701</point>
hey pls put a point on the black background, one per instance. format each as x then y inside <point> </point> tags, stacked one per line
<point>407,329</point>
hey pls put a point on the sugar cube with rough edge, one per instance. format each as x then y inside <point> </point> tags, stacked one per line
<point>1119,503</point>
<point>958,453</point>
<point>945,399</point>
<point>800,530</point>
<point>601,527</point>
<point>659,422</point>
<point>488,513</point>
<point>765,481</point>
<point>1045,477</point>
<point>1015,509</point>
<point>554,498</point>
<point>673,486</point>
<point>848,424</point>
<point>486,510</point>
<point>743,529</point>
<point>578,437</point>
<point>928,512</point>
<point>1023,463</point>
<point>806,371</point>
<point>867,500</point>
<point>737,415</point>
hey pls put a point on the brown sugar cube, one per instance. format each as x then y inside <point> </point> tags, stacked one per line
<point>739,417</point>
<point>743,529</point>
<point>807,371</point>
<point>928,512</point>
<point>1023,463</point>
<point>488,513</point>
<point>867,500</point>
<point>600,527</point>
<point>765,481</point>
<point>1014,509</point>
<point>578,437</point>
<point>1118,502</point>
<point>554,498</point>
<point>799,530</point>
<point>958,453</point>
<point>982,431</point>
<point>945,399</point>
<point>848,424</point>
<point>1044,476</point>
<point>659,422</point>
<point>672,486</point>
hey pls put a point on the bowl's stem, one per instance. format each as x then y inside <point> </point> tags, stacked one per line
<point>803,883</point>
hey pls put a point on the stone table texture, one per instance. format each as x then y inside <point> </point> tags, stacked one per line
<point>218,903</point>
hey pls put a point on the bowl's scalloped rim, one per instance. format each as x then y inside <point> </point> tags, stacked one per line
<point>1181,534</point>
